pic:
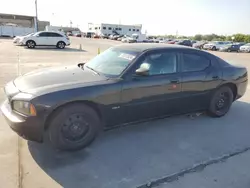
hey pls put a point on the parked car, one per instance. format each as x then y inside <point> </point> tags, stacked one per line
<point>89,34</point>
<point>172,41</point>
<point>45,38</point>
<point>215,45</point>
<point>73,104</point>
<point>18,38</point>
<point>69,34</point>
<point>245,48</point>
<point>184,42</point>
<point>128,39</point>
<point>104,36</point>
<point>78,35</point>
<point>199,45</point>
<point>95,36</point>
<point>230,48</point>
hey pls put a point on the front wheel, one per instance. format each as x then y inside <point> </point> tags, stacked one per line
<point>221,102</point>
<point>61,45</point>
<point>73,127</point>
<point>30,44</point>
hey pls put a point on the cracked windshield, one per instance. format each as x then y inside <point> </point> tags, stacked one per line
<point>124,95</point>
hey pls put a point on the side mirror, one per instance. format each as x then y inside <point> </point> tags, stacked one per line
<point>142,71</point>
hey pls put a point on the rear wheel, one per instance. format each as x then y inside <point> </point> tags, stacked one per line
<point>30,44</point>
<point>60,45</point>
<point>74,127</point>
<point>221,102</point>
<point>214,48</point>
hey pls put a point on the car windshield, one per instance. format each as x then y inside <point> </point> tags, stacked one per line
<point>248,44</point>
<point>111,62</point>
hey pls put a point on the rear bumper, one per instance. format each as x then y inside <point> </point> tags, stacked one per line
<point>29,128</point>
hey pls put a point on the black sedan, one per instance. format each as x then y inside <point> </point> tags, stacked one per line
<point>124,84</point>
<point>230,48</point>
<point>184,42</point>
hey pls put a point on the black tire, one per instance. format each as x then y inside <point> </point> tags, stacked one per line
<point>30,44</point>
<point>214,48</point>
<point>221,102</point>
<point>61,45</point>
<point>73,127</point>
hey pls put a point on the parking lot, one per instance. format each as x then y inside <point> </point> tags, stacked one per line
<point>157,151</point>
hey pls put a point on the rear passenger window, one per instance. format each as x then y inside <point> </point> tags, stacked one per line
<point>55,35</point>
<point>194,62</point>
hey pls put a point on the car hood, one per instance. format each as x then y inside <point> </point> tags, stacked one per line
<point>54,78</point>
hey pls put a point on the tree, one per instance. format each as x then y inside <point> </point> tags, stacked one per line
<point>198,37</point>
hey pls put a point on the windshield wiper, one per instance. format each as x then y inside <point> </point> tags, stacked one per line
<point>93,70</point>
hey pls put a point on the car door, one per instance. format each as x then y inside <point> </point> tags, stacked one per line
<point>42,39</point>
<point>199,76</point>
<point>155,94</point>
<point>54,38</point>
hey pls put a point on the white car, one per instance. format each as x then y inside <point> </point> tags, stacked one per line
<point>45,38</point>
<point>245,48</point>
<point>216,45</point>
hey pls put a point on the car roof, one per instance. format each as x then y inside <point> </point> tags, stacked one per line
<point>140,47</point>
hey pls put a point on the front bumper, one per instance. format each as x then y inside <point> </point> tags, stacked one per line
<point>241,89</point>
<point>29,128</point>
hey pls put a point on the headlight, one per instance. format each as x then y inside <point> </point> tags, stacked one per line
<point>24,107</point>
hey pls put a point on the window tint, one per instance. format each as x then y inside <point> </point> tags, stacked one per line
<point>104,27</point>
<point>129,29</point>
<point>133,29</point>
<point>160,63</point>
<point>44,34</point>
<point>110,28</point>
<point>54,35</point>
<point>194,62</point>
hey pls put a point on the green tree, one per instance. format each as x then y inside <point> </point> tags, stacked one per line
<point>198,37</point>
<point>239,37</point>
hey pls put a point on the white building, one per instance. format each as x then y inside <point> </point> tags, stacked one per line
<point>106,29</point>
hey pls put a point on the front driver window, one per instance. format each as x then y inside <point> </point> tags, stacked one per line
<point>160,63</point>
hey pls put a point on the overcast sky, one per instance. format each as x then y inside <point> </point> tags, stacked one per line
<point>189,17</point>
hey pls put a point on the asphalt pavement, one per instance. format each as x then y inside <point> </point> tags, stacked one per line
<point>173,152</point>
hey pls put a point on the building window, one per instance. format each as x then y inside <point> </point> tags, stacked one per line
<point>133,29</point>
<point>104,27</point>
<point>96,28</point>
<point>116,28</point>
<point>110,28</point>
<point>137,30</point>
<point>129,29</point>
<point>120,29</point>
<point>90,28</point>
<point>99,27</point>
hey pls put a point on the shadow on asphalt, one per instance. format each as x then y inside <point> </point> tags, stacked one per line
<point>66,49</point>
<point>134,155</point>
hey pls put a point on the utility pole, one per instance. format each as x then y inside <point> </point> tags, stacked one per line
<point>36,20</point>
